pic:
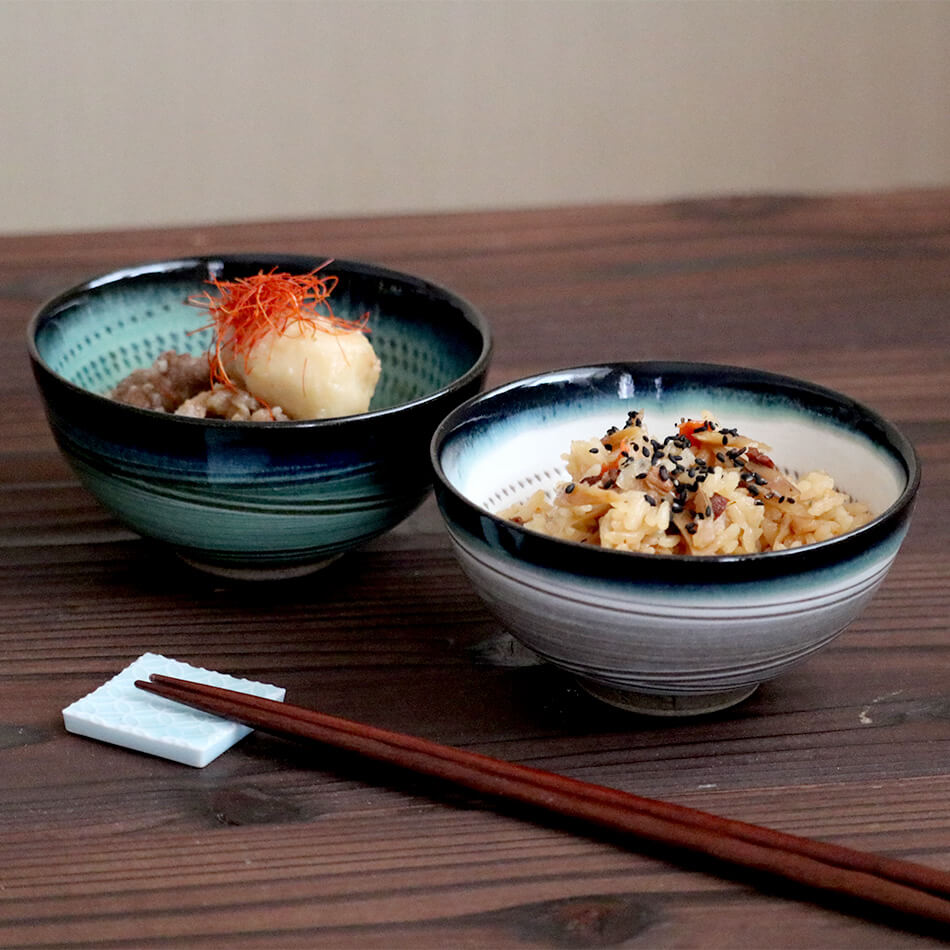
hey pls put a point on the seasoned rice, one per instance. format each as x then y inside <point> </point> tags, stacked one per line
<point>705,490</point>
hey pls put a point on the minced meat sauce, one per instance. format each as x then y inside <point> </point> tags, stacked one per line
<point>179,383</point>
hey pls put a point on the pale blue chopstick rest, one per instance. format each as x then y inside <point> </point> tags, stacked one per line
<point>120,713</point>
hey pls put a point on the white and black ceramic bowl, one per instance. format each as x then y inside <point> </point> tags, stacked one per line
<point>253,499</point>
<point>668,634</point>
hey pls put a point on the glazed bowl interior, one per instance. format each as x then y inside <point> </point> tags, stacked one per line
<point>495,463</point>
<point>95,337</point>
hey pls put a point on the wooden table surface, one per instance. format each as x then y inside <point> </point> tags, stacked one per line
<point>274,845</point>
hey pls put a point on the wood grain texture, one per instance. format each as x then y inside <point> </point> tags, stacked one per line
<point>273,846</point>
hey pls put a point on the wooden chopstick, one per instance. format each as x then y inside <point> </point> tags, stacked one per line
<point>910,888</point>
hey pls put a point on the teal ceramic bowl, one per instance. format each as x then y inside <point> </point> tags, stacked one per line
<point>251,499</point>
<point>668,635</point>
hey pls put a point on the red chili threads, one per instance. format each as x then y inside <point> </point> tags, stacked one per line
<point>247,310</point>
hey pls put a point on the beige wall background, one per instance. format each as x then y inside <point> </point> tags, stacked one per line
<point>133,113</point>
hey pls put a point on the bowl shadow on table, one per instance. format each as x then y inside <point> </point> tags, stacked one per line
<point>468,645</point>
<point>155,569</point>
<point>521,689</point>
<point>555,694</point>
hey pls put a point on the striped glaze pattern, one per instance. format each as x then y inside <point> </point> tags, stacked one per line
<point>254,500</point>
<point>658,634</point>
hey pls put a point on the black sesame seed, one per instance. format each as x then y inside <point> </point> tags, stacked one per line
<point>664,473</point>
<point>691,528</point>
<point>594,450</point>
<point>758,479</point>
<point>650,500</point>
<point>721,456</point>
<point>608,447</point>
<point>752,490</point>
<point>642,475</point>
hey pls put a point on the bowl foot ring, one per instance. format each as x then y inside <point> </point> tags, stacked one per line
<point>258,573</point>
<point>669,704</point>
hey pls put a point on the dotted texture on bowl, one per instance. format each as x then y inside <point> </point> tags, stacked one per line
<point>412,366</point>
<point>121,713</point>
<point>113,330</point>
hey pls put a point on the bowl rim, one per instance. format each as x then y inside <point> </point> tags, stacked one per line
<point>595,561</point>
<point>171,266</point>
